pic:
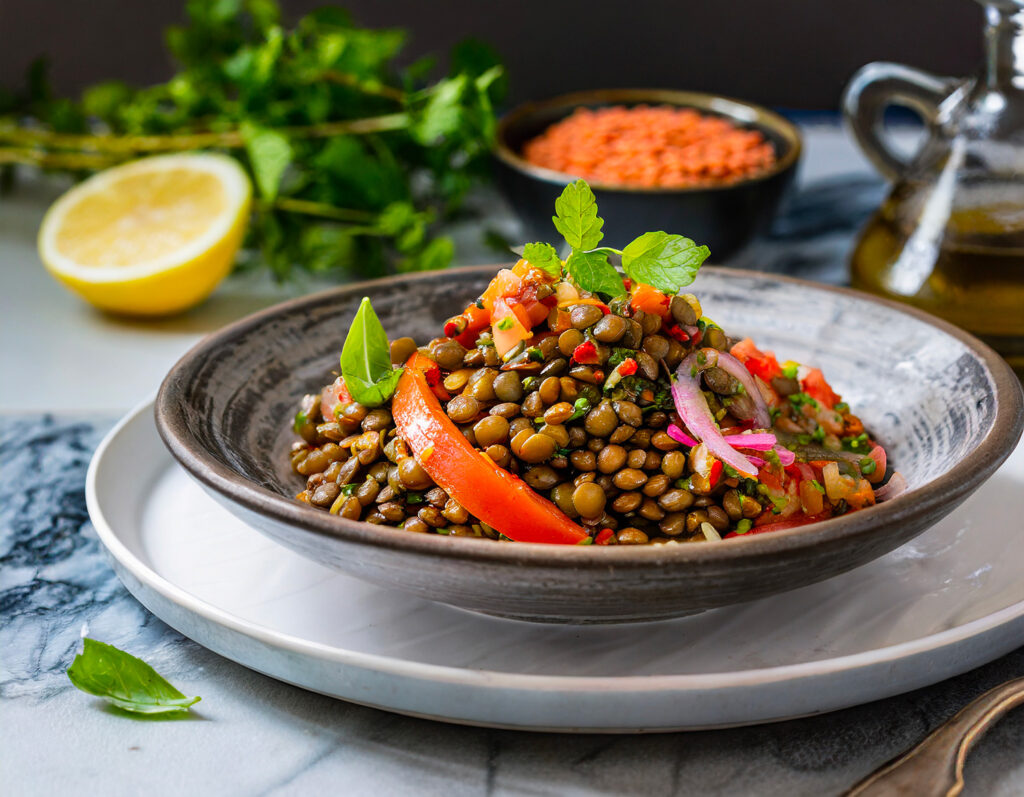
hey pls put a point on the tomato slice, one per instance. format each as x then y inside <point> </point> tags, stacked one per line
<point>497,497</point>
<point>791,523</point>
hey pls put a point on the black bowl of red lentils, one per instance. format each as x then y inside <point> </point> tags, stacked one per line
<point>655,159</point>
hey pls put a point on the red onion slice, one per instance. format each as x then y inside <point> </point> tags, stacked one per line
<point>739,372</point>
<point>694,411</point>
<point>896,485</point>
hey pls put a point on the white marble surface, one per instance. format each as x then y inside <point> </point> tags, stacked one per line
<point>253,735</point>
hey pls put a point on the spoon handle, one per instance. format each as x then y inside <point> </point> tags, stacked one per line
<point>935,767</point>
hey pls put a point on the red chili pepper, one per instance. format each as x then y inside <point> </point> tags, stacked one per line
<point>550,301</point>
<point>451,329</point>
<point>433,373</point>
<point>627,367</point>
<point>782,525</point>
<point>604,536</point>
<point>499,498</point>
<point>716,473</point>
<point>586,353</point>
<point>677,333</point>
<point>605,310</point>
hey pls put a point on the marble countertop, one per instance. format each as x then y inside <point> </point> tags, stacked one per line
<point>253,735</point>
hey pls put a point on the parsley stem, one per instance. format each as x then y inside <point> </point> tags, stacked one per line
<point>309,208</point>
<point>232,139</point>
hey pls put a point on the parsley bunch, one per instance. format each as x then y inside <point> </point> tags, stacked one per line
<point>354,161</point>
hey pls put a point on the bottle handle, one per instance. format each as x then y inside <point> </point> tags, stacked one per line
<point>874,88</point>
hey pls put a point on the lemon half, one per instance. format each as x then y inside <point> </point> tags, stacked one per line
<point>150,237</point>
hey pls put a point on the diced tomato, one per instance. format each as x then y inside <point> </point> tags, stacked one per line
<point>815,386</point>
<point>507,328</point>
<point>586,354</point>
<point>716,473</point>
<point>604,537</point>
<point>881,461</point>
<point>332,396</point>
<point>627,367</point>
<point>759,363</point>
<point>650,300</point>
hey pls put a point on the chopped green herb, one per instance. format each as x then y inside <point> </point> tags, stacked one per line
<point>790,371</point>
<point>301,419</point>
<point>586,541</point>
<point>817,486</point>
<point>771,456</point>
<point>744,526</point>
<point>561,452</point>
<point>535,354</point>
<point>693,370</point>
<point>801,398</point>
<point>730,471</point>
<point>818,434</point>
<point>580,408</point>
<point>413,498</point>
<point>530,383</point>
<point>803,439</point>
<point>774,413</point>
<point>858,443</point>
<point>842,406</point>
<point>619,356</point>
<point>125,681</point>
<point>506,324</point>
<point>349,489</point>
<point>480,303</point>
<point>867,466</point>
<point>702,358</point>
<point>443,531</point>
<point>486,339</point>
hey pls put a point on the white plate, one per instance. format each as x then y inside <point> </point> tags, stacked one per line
<point>947,602</point>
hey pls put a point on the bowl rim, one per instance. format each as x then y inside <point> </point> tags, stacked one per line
<point>946,490</point>
<point>742,111</point>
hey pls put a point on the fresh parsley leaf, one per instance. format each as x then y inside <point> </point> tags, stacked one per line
<point>269,155</point>
<point>666,262</point>
<point>592,272</point>
<point>576,216</point>
<point>125,681</point>
<point>366,359</point>
<point>543,256</point>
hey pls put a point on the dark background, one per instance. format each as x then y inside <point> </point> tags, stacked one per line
<point>783,53</point>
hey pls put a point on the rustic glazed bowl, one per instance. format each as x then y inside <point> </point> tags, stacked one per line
<point>724,217</point>
<point>947,408</point>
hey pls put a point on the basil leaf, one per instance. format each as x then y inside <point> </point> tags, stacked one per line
<point>366,359</point>
<point>125,681</point>
<point>666,262</point>
<point>592,272</point>
<point>543,256</point>
<point>576,216</point>
<point>269,153</point>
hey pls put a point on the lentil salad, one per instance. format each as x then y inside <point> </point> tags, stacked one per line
<point>548,411</point>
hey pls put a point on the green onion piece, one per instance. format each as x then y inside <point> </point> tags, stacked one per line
<point>744,526</point>
<point>867,466</point>
<point>414,498</point>
<point>817,486</point>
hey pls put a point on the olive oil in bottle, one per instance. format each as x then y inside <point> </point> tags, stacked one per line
<point>964,263</point>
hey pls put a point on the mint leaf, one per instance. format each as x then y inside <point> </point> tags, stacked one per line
<point>366,359</point>
<point>543,256</point>
<point>125,681</point>
<point>592,272</point>
<point>666,262</point>
<point>576,216</point>
<point>269,154</point>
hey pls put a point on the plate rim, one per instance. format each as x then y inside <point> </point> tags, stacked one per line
<point>946,490</point>
<point>495,679</point>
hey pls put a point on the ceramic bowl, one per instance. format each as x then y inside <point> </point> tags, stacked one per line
<point>946,407</point>
<point>724,217</point>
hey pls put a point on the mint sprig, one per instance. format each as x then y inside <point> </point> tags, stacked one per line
<point>366,359</point>
<point>125,681</point>
<point>543,256</point>
<point>664,261</point>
